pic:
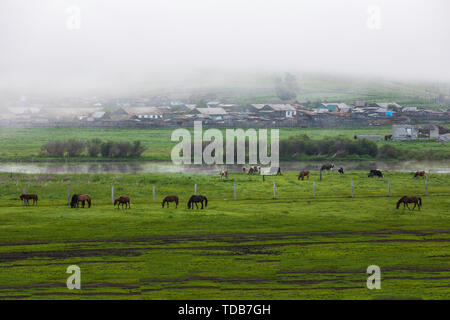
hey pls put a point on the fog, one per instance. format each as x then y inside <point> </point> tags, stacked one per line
<point>82,46</point>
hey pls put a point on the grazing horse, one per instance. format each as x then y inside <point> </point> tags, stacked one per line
<point>303,174</point>
<point>224,174</point>
<point>195,199</point>
<point>375,172</point>
<point>420,174</point>
<point>341,170</point>
<point>327,167</point>
<point>388,137</point>
<point>26,198</point>
<point>124,200</point>
<point>170,199</point>
<point>405,200</point>
<point>76,198</point>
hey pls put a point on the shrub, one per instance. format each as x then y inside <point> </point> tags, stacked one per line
<point>94,147</point>
<point>54,148</point>
<point>387,151</point>
<point>74,148</point>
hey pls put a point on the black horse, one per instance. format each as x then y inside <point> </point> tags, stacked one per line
<point>195,199</point>
<point>375,172</point>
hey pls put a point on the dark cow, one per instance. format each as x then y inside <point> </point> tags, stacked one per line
<point>327,167</point>
<point>420,174</point>
<point>375,172</point>
<point>341,170</point>
<point>388,137</point>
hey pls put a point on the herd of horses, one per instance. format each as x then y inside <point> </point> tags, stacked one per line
<point>82,199</point>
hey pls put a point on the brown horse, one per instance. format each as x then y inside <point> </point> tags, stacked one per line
<point>224,174</point>
<point>420,174</point>
<point>170,199</point>
<point>124,200</point>
<point>388,137</point>
<point>303,174</point>
<point>405,200</point>
<point>77,198</point>
<point>26,198</point>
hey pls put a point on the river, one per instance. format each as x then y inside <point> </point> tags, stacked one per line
<point>168,167</point>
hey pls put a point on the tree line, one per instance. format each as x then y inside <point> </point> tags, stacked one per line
<point>295,146</point>
<point>93,148</point>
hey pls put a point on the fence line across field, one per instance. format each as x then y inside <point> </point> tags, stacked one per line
<point>277,196</point>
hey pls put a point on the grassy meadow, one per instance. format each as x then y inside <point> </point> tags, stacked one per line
<point>293,247</point>
<point>24,144</point>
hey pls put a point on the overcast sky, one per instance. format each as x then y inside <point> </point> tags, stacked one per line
<point>45,43</point>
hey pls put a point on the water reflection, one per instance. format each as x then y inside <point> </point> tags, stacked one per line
<point>168,167</point>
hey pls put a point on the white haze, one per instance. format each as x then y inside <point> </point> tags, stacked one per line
<point>127,44</point>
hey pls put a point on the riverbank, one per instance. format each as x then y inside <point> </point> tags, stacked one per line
<point>24,144</point>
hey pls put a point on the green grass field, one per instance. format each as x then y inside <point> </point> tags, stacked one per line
<point>24,144</point>
<point>293,247</point>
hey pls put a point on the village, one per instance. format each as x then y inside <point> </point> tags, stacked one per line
<point>172,114</point>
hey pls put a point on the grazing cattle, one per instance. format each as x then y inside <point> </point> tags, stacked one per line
<point>195,199</point>
<point>224,174</point>
<point>420,174</point>
<point>251,170</point>
<point>244,169</point>
<point>341,170</point>
<point>375,172</point>
<point>124,200</point>
<point>405,200</point>
<point>327,167</point>
<point>76,198</point>
<point>388,137</point>
<point>26,198</point>
<point>170,199</point>
<point>303,174</point>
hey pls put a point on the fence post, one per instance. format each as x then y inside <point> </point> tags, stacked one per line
<point>112,194</point>
<point>235,191</point>
<point>426,186</point>
<point>274,195</point>
<point>24,191</point>
<point>154,194</point>
<point>352,189</point>
<point>195,189</point>
<point>68,195</point>
<point>314,189</point>
<point>389,188</point>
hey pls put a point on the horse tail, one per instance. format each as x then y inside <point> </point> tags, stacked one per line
<point>89,202</point>
<point>420,202</point>
<point>206,202</point>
